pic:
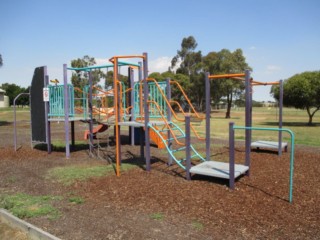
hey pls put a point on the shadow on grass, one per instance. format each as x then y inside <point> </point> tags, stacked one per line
<point>290,124</point>
<point>5,123</point>
<point>54,148</point>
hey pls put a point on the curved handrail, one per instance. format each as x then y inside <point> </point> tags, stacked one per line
<point>291,152</point>
<point>169,105</point>
<point>170,151</point>
<point>165,98</point>
<point>191,126</point>
<point>165,121</point>
<point>188,100</point>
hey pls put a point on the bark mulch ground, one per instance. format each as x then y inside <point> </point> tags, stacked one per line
<point>161,204</point>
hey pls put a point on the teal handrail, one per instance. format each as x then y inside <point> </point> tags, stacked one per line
<point>172,151</point>
<point>291,152</point>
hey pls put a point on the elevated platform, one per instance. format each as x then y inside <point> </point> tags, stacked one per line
<point>218,169</point>
<point>71,119</point>
<point>269,145</point>
<point>140,124</point>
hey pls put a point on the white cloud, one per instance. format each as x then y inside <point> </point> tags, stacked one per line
<point>160,64</point>
<point>102,61</point>
<point>272,69</point>
<point>252,48</point>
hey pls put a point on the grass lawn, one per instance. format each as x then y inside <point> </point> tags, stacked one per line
<point>293,119</point>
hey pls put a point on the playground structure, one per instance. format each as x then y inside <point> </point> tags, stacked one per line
<point>152,117</point>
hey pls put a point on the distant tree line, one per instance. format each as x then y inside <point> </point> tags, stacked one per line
<point>12,90</point>
<point>301,91</point>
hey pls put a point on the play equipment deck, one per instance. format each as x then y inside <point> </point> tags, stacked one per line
<point>269,144</point>
<point>218,169</point>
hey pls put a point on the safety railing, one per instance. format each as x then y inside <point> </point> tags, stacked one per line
<point>291,149</point>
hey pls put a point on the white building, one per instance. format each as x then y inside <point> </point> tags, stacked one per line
<point>4,100</point>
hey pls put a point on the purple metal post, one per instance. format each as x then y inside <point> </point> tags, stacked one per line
<point>141,132</point>
<point>280,116</point>
<point>90,115</point>
<point>169,118</point>
<point>188,148</point>
<point>231,155</point>
<point>66,109</point>
<point>46,110</point>
<point>208,111</point>
<point>146,110</point>
<point>73,143</point>
<point>248,116</point>
<point>131,78</point>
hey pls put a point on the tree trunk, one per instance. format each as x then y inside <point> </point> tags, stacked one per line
<point>311,114</point>
<point>229,103</point>
<point>310,120</point>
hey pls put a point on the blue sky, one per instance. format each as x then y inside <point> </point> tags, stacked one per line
<point>278,38</point>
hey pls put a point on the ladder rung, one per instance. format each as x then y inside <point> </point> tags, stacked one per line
<point>178,149</point>
<point>169,139</point>
<point>184,159</point>
<point>168,129</point>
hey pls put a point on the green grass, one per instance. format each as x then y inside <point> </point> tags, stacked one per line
<point>76,200</point>
<point>70,174</point>
<point>157,216</point>
<point>27,206</point>
<point>294,119</point>
<point>197,225</point>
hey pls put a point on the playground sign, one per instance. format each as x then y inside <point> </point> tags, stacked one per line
<point>46,94</point>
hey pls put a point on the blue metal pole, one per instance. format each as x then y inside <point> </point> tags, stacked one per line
<point>280,116</point>
<point>66,109</point>
<point>291,152</point>
<point>208,111</point>
<point>231,155</point>
<point>169,118</point>
<point>291,167</point>
<point>146,111</point>
<point>188,148</point>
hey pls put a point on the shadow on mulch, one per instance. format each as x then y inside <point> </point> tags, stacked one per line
<point>269,151</point>
<point>263,191</point>
<point>203,178</point>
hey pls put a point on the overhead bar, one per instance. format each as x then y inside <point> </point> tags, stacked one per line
<point>233,75</point>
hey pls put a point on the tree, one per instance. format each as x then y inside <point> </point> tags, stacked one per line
<point>12,90</point>
<point>190,61</point>
<point>1,61</point>
<point>81,78</point>
<point>109,79</point>
<point>191,66</point>
<point>182,79</point>
<point>225,62</point>
<point>301,91</point>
